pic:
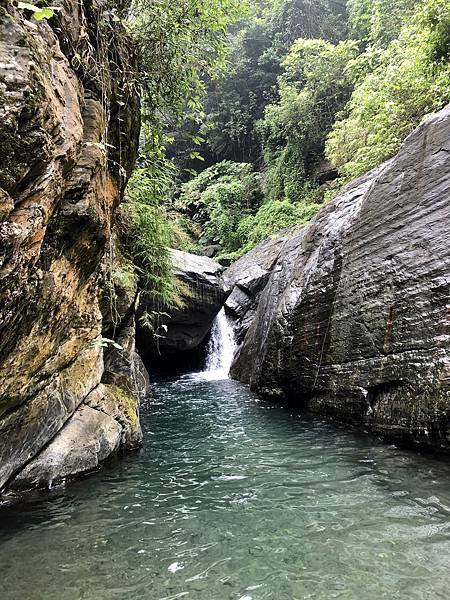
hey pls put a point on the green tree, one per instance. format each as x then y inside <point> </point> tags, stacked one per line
<point>315,85</point>
<point>218,198</point>
<point>378,22</point>
<point>411,78</point>
<point>270,219</point>
<point>179,45</point>
<point>237,101</point>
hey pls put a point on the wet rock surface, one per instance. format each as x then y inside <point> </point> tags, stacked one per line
<point>62,174</point>
<point>106,423</point>
<point>353,321</point>
<point>181,331</point>
<point>247,278</point>
<point>86,440</point>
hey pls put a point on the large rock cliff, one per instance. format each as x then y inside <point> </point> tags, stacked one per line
<point>69,120</point>
<point>247,278</point>
<point>353,320</point>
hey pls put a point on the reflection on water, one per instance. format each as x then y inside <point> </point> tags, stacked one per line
<point>233,499</point>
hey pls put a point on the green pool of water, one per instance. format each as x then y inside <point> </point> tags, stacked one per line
<point>234,499</point>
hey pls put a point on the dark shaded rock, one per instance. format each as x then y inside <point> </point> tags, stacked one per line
<point>323,172</point>
<point>63,169</point>
<point>183,330</point>
<point>211,251</point>
<point>141,378</point>
<point>353,321</point>
<point>122,364</point>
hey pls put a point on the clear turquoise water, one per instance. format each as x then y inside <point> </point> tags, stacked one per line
<point>235,499</point>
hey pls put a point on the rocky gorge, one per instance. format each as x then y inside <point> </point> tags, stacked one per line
<point>346,316</point>
<point>68,397</point>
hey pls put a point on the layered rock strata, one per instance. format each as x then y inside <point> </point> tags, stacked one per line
<point>247,278</point>
<point>353,320</point>
<point>69,120</point>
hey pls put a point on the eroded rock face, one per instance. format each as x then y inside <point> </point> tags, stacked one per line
<point>183,330</point>
<point>105,423</point>
<point>87,439</point>
<point>65,111</point>
<point>247,278</point>
<point>353,321</point>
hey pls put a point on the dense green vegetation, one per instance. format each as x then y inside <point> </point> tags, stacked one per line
<point>314,86</point>
<point>395,85</point>
<point>219,198</point>
<point>180,45</point>
<point>235,103</point>
<point>255,115</point>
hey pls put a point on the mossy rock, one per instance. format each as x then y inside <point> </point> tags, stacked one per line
<point>126,404</point>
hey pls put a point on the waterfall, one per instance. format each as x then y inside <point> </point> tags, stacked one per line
<point>220,349</point>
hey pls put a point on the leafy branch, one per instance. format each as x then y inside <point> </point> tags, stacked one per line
<point>39,13</point>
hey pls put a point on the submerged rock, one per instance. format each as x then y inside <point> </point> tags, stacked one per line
<point>182,330</point>
<point>353,320</point>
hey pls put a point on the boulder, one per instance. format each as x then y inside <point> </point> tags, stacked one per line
<point>212,250</point>
<point>85,441</point>
<point>180,331</point>
<point>140,377</point>
<point>353,320</point>
<point>106,423</point>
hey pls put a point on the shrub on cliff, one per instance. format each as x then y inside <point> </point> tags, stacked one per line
<point>395,88</point>
<point>271,218</point>
<point>218,198</point>
<point>148,232</point>
<point>178,44</point>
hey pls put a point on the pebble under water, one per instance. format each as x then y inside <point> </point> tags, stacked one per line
<point>234,499</point>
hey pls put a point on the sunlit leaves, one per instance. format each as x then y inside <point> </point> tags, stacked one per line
<point>315,85</point>
<point>46,12</point>
<point>218,198</point>
<point>410,78</point>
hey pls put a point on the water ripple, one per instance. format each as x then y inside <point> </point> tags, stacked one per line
<point>235,499</point>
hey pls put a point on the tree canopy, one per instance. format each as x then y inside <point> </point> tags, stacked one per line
<point>256,114</point>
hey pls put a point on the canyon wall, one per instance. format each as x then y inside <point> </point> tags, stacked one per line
<point>69,123</point>
<point>349,315</point>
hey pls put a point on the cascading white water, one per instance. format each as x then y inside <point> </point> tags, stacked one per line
<point>220,349</point>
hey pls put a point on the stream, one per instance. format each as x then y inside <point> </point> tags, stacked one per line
<point>233,498</point>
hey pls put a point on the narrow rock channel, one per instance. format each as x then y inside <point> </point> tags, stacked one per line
<point>224,300</point>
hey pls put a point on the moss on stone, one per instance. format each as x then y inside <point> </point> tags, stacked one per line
<point>124,276</point>
<point>126,403</point>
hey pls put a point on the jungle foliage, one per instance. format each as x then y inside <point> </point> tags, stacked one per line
<point>395,85</point>
<point>180,45</point>
<point>258,117</point>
